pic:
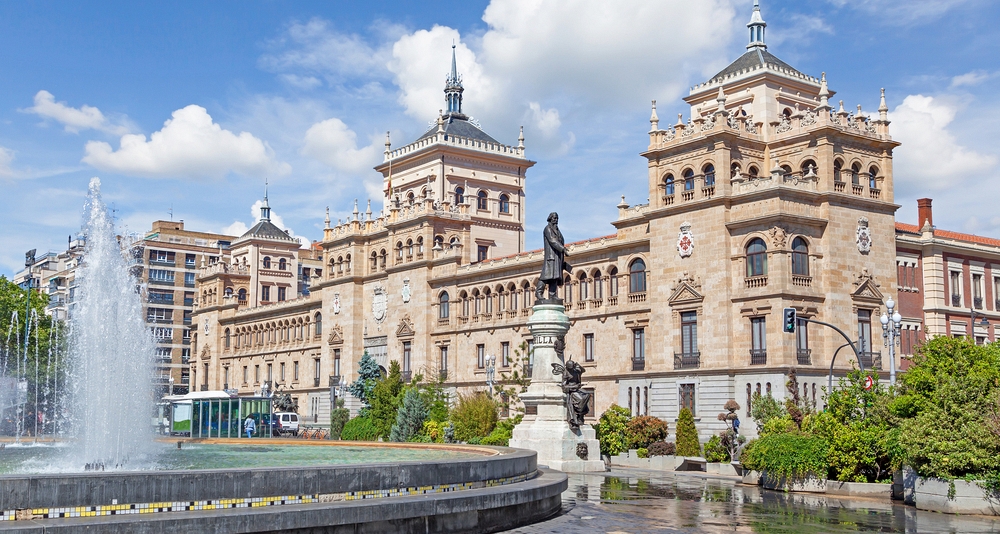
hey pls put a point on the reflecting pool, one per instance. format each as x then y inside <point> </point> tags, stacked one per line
<point>49,458</point>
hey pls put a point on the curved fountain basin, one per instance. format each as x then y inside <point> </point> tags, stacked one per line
<point>472,488</point>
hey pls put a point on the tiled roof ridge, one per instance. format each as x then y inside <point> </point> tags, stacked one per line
<point>530,252</point>
<point>948,234</point>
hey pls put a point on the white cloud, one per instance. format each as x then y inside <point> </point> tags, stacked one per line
<point>336,145</point>
<point>908,12</point>
<point>73,119</point>
<point>972,78</point>
<point>190,145</point>
<point>930,156</point>
<point>546,120</point>
<point>316,47</point>
<point>6,158</point>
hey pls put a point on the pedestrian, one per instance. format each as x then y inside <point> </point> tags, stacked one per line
<point>736,425</point>
<point>250,426</point>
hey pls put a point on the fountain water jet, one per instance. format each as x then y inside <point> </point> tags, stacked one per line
<point>111,351</point>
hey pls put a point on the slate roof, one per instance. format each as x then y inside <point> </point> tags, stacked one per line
<point>460,127</point>
<point>265,229</point>
<point>754,58</point>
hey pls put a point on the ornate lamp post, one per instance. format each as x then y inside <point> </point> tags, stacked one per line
<point>491,369</point>
<point>891,335</point>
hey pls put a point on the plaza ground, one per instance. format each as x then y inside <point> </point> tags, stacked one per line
<point>641,501</point>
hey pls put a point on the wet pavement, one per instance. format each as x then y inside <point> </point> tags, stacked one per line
<point>638,501</point>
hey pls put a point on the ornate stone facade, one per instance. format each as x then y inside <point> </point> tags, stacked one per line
<point>765,175</point>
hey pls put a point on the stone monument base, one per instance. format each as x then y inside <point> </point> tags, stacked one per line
<point>557,445</point>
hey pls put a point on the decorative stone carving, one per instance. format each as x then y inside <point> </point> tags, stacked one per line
<point>336,335</point>
<point>581,450</point>
<point>686,292</point>
<point>808,118</point>
<point>405,328</point>
<point>867,288</point>
<point>206,353</point>
<point>405,293</point>
<point>685,240</point>
<point>778,237</point>
<point>783,126</point>
<point>336,303</point>
<point>751,126</point>
<point>864,236</point>
<point>709,124</point>
<point>380,304</point>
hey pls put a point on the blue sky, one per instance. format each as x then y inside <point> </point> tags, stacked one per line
<point>302,93</point>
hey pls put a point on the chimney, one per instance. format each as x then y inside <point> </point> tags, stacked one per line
<point>924,212</point>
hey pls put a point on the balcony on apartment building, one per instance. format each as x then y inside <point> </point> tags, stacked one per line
<point>687,360</point>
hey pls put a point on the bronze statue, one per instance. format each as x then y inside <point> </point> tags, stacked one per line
<point>577,400</point>
<point>554,262</point>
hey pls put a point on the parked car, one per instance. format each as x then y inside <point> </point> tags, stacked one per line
<point>286,423</point>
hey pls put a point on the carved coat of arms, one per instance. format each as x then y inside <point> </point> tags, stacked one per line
<point>405,293</point>
<point>336,303</point>
<point>685,241</point>
<point>380,304</point>
<point>864,236</point>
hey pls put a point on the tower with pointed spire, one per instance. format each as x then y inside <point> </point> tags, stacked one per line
<point>756,26</point>
<point>453,89</point>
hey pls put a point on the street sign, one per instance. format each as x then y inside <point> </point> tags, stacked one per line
<point>869,383</point>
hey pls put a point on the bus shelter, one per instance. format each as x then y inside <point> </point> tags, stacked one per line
<point>215,414</point>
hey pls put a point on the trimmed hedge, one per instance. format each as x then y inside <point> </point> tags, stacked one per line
<point>788,455</point>
<point>359,429</point>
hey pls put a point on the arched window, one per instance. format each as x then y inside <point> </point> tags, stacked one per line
<point>488,297</point>
<point>786,171</point>
<point>504,204</point>
<point>568,289</point>
<point>443,311</point>
<point>669,183</point>
<point>399,250</point>
<point>837,167</point>
<point>584,287</point>
<point>613,281</point>
<point>637,276</point>
<point>438,242</point>
<point>459,196</point>
<point>410,198</point>
<point>318,318</point>
<point>267,262</point>
<point>241,295</point>
<point>228,292</point>
<point>756,257</point>
<point>227,336</point>
<point>688,180</point>
<point>454,242</point>
<point>807,167</point>
<point>465,304</point>
<point>598,285</point>
<point>709,172</point>
<point>478,301</point>
<point>734,171</point>
<point>374,261</point>
<point>872,175</point>
<point>409,248</point>
<point>800,257</point>
<point>855,172</point>
<point>753,172</point>
<point>481,203</point>
<point>282,264</point>
<point>420,245</point>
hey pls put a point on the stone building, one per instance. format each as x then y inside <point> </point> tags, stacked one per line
<point>766,197</point>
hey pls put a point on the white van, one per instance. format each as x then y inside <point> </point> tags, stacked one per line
<point>287,423</point>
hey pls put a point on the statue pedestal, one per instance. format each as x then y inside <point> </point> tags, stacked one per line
<point>546,430</point>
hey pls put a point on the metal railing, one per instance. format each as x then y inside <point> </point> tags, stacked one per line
<point>956,300</point>
<point>803,356</point>
<point>687,360</point>
<point>758,356</point>
<point>443,375</point>
<point>638,365</point>
<point>977,302</point>
<point>871,360</point>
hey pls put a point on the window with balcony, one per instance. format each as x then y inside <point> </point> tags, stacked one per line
<point>873,178</point>
<point>709,172</point>
<point>668,183</point>
<point>800,257</point>
<point>159,315</point>
<point>688,180</point>
<point>459,196</point>
<point>267,262</point>
<point>756,258</point>
<point>802,351</point>
<point>689,356</point>
<point>758,341</point>
<point>443,306</point>
<point>837,170</point>
<point>613,281</point>
<point>584,287</point>
<point>161,297</point>
<point>161,276</point>
<point>281,294</point>
<point>856,174</point>
<point>637,276</point>
<point>189,261</point>
<point>588,347</point>
<point>162,256</point>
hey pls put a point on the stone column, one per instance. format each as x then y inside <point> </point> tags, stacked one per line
<point>546,430</point>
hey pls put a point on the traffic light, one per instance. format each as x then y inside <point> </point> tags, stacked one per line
<point>789,316</point>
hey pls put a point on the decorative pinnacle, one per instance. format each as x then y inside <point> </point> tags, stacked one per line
<point>388,144</point>
<point>721,99</point>
<point>355,212</point>
<point>327,220</point>
<point>520,138</point>
<point>440,121</point>
<point>654,121</point>
<point>680,119</point>
<point>881,104</point>
<point>368,212</point>
<point>842,110</point>
<point>824,94</point>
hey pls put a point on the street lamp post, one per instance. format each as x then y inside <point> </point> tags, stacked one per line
<point>982,324</point>
<point>491,369</point>
<point>891,335</point>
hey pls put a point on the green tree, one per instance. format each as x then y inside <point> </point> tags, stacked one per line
<point>764,409</point>
<point>946,399</point>
<point>687,435</point>
<point>338,418</point>
<point>410,417</point>
<point>612,430</point>
<point>474,416</point>
<point>386,397</point>
<point>368,375</point>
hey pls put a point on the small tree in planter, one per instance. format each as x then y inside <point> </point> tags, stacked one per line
<point>765,408</point>
<point>730,439</point>
<point>644,430</point>
<point>611,430</point>
<point>687,435</point>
